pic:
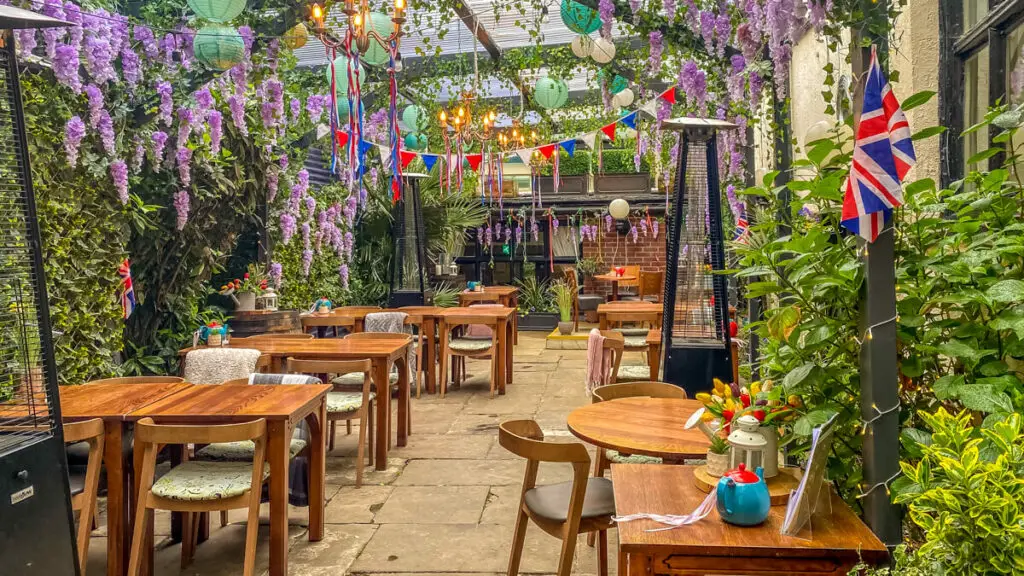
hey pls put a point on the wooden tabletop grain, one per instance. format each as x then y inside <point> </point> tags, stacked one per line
<point>230,403</point>
<point>112,401</point>
<point>612,277</point>
<point>482,311</point>
<point>671,490</point>
<point>326,348</point>
<point>419,312</point>
<point>501,290</point>
<point>647,426</point>
<point>628,306</point>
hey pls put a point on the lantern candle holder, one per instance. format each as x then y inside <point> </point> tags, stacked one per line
<point>748,445</point>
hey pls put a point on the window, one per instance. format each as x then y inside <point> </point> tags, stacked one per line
<point>974,11</point>
<point>976,87</point>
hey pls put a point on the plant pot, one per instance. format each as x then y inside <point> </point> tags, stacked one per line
<point>323,309</point>
<point>214,339</point>
<point>538,321</point>
<point>245,301</point>
<point>565,328</point>
<point>718,464</point>
<point>771,451</point>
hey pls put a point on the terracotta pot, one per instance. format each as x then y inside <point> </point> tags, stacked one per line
<point>718,464</point>
<point>565,328</point>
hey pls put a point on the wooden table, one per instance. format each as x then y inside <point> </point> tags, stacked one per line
<point>425,318</point>
<point>113,403</point>
<point>382,352</point>
<point>713,547</point>
<point>647,426</point>
<point>356,314</point>
<point>633,311</point>
<point>505,295</point>
<point>654,352</point>
<point>283,407</point>
<point>504,335</point>
<point>614,279</point>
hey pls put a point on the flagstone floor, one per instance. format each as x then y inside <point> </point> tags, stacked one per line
<point>446,503</point>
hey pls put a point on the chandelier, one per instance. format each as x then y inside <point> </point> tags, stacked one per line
<point>359,26</point>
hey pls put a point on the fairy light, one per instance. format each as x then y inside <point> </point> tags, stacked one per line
<point>867,335</point>
<point>865,493</point>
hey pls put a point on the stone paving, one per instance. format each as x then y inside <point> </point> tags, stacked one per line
<point>446,503</point>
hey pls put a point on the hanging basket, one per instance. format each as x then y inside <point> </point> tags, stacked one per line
<point>219,47</point>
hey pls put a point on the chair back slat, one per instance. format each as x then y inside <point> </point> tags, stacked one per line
<point>147,431</point>
<point>283,336</point>
<point>525,439</point>
<point>638,389</point>
<point>339,367</point>
<point>85,430</point>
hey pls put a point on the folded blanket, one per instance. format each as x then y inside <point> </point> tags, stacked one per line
<point>393,323</point>
<point>599,361</point>
<point>216,365</point>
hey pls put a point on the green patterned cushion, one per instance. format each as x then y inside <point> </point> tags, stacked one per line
<point>343,402</point>
<point>633,331</point>
<point>356,379</point>
<point>640,373</point>
<point>635,341</point>
<point>241,451</point>
<point>198,481</point>
<point>619,458</point>
<point>469,344</point>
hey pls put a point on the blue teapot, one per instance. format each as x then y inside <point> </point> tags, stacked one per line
<point>742,497</point>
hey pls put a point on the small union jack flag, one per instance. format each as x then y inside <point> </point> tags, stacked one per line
<point>742,229</point>
<point>127,291</point>
<point>882,155</point>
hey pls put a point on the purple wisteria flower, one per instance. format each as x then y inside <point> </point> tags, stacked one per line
<point>296,109</point>
<point>95,96</point>
<point>343,274</point>
<point>184,158</point>
<point>633,233</point>
<point>272,110</point>
<point>608,223</point>
<point>168,45</point>
<point>693,82</point>
<point>185,120</point>
<point>736,82</point>
<point>643,227</point>
<point>307,261</point>
<point>305,229</point>
<point>181,207</point>
<point>53,9</point>
<point>272,184</point>
<point>817,11</point>
<point>73,14</point>
<point>99,59</point>
<point>164,90</point>
<point>275,274</point>
<point>654,228</point>
<point>204,101</point>
<point>288,227</point>
<point>634,5</point>
<point>237,105</point>
<point>184,37</point>
<point>65,67</point>
<point>707,30</point>
<point>144,36</point>
<point>74,132</point>
<point>140,155</point>
<point>310,205</point>
<point>723,32</point>
<point>315,105</point>
<point>216,121</point>
<point>670,9</point>
<point>26,41</point>
<point>273,51</point>
<point>106,129</point>
<point>131,67</point>
<point>657,42</point>
<point>119,174</point>
<point>159,142</point>
<point>283,162</point>
<point>606,9</point>
<point>301,187</point>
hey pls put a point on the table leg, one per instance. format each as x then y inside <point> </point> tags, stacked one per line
<point>501,333</point>
<point>429,355</point>
<point>278,435</point>
<point>639,564</point>
<point>117,499</point>
<point>404,394</point>
<point>509,348</point>
<point>380,379</point>
<point>602,321</point>
<point>653,360</point>
<point>615,291</point>
<point>317,422</point>
<point>515,319</point>
<point>442,334</point>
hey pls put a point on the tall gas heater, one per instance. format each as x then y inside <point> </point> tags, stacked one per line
<point>36,527</point>
<point>696,319</point>
<point>409,273</point>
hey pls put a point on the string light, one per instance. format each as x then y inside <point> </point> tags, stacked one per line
<point>885,484</point>
<point>878,415</point>
<point>867,333</point>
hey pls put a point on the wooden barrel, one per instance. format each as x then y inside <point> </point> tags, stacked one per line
<point>255,322</point>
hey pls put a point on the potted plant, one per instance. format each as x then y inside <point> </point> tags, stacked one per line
<point>574,174</point>
<point>244,291</point>
<point>718,456</point>
<point>537,310</point>
<point>620,175</point>
<point>587,268</point>
<point>563,298</point>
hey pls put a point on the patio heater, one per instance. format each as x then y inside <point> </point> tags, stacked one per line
<point>36,523</point>
<point>695,332</point>
<point>409,272</point>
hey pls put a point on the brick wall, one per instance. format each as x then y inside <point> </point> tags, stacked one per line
<point>648,253</point>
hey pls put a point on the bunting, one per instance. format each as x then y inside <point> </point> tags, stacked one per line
<point>609,130</point>
<point>405,157</point>
<point>474,161</point>
<point>429,160</point>
<point>525,154</point>
<point>668,95</point>
<point>589,139</point>
<point>629,120</point>
<point>569,146</point>
<point>547,150</point>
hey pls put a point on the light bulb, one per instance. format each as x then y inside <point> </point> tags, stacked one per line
<point>493,115</point>
<point>318,13</point>
<point>443,116</point>
<point>357,20</point>
<point>515,133</point>
<point>399,5</point>
<point>461,112</point>
<point>544,16</point>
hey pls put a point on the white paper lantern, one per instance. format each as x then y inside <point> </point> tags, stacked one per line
<point>602,51</point>
<point>581,45</point>
<point>623,99</point>
<point>618,208</point>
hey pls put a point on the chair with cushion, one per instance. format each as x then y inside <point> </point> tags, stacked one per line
<point>85,483</point>
<point>454,349</point>
<point>563,510</point>
<point>651,285</point>
<point>196,486</point>
<point>215,365</point>
<point>343,405</point>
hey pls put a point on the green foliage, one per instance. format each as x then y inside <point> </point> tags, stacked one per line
<point>587,267</point>
<point>446,296</point>
<point>719,445</point>
<point>534,295</point>
<point>563,299</point>
<point>615,161</point>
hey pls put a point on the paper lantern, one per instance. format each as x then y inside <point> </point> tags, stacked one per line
<point>618,84</point>
<point>623,99</point>
<point>581,45</point>
<point>603,51</point>
<point>415,118</point>
<point>341,64</point>
<point>296,37</point>
<point>217,10</point>
<point>415,141</point>
<point>218,47</point>
<point>579,18</point>
<point>550,93</point>
<point>618,208</point>
<point>376,53</point>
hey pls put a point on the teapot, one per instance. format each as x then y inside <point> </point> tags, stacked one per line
<point>742,497</point>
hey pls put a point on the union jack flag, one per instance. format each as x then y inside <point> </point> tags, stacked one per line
<point>742,229</point>
<point>127,291</point>
<point>882,155</point>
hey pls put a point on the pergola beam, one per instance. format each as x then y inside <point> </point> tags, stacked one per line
<point>469,18</point>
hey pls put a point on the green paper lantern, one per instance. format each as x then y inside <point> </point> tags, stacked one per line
<point>376,53</point>
<point>579,18</point>
<point>341,81</point>
<point>415,118</point>
<point>618,83</point>
<point>217,10</point>
<point>415,141</point>
<point>219,47</point>
<point>550,93</point>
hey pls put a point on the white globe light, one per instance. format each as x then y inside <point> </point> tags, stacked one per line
<point>603,51</point>
<point>618,208</point>
<point>818,131</point>
<point>623,99</point>
<point>581,45</point>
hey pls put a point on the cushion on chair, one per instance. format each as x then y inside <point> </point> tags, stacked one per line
<point>617,457</point>
<point>641,373</point>
<point>344,402</point>
<point>77,481</point>
<point>469,345</point>
<point>632,331</point>
<point>590,301</point>
<point>552,502</point>
<point>634,341</point>
<point>78,453</point>
<point>241,451</point>
<point>356,379</point>
<point>198,481</point>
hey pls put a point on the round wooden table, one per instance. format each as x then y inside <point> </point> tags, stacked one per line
<point>615,279</point>
<point>647,426</point>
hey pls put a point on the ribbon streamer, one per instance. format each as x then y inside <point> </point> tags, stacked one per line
<point>673,521</point>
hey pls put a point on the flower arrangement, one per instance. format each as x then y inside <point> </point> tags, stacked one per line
<point>760,400</point>
<point>255,280</point>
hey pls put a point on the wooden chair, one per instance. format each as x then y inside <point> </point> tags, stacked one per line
<point>564,510</point>
<point>572,280</point>
<point>461,348</point>
<point>629,285</point>
<point>392,376</point>
<point>651,285</point>
<point>193,486</point>
<point>138,380</point>
<point>84,486</point>
<point>325,321</point>
<point>274,336</point>
<point>343,405</point>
